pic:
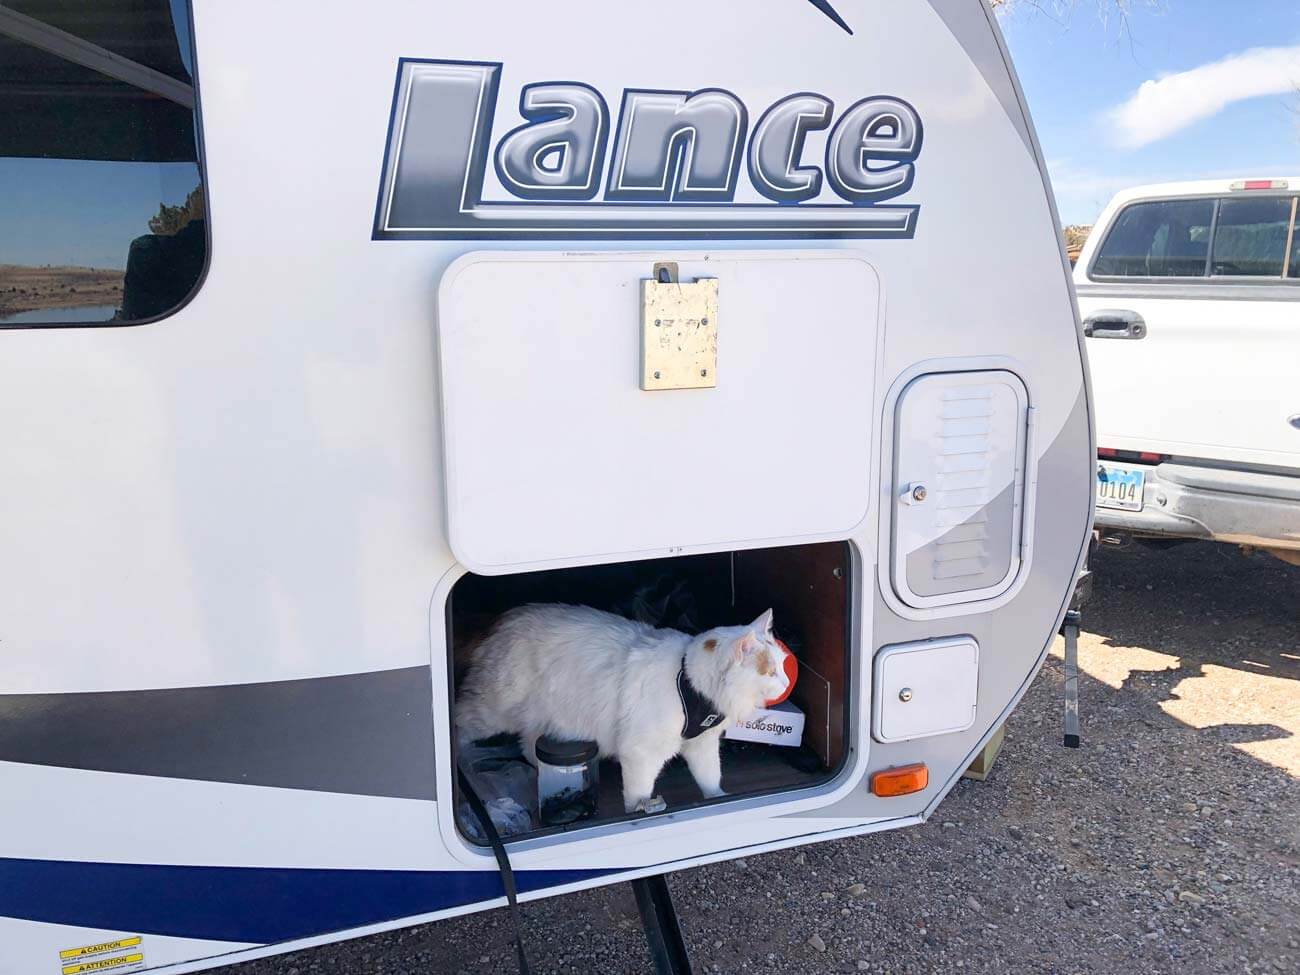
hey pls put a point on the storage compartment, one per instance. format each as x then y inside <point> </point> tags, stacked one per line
<point>926,688</point>
<point>806,586</point>
<point>555,454</point>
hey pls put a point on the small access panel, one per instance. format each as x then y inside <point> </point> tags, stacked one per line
<point>960,473</point>
<point>926,688</point>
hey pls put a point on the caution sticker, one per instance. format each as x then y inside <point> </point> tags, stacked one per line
<point>106,956</point>
<point>103,948</point>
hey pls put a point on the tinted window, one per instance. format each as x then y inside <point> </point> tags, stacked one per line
<point>1293,268</point>
<point>1169,238</point>
<point>101,195</point>
<point>1250,237</point>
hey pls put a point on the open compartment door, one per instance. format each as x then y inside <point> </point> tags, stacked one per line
<point>556,455</point>
<point>960,453</point>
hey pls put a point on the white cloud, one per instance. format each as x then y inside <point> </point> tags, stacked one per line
<point>1162,106</point>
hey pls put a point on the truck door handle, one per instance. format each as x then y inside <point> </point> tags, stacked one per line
<point>1115,325</point>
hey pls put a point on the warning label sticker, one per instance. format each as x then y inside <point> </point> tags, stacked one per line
<point>106,956</point>
<point>120,963</point>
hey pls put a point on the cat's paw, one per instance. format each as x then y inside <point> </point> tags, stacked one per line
<point>717,793</point>
<point>652,804</point>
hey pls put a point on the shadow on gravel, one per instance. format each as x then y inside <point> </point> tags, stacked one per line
<point>1206,606</point>
<point>1202,602</point>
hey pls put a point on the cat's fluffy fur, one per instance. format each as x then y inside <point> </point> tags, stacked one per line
<point>579,673</point>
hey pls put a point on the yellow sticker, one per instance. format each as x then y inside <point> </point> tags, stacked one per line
<point>99,949</point>
<point>103,964</point>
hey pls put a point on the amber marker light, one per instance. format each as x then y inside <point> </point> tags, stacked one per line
<point>901,781</point>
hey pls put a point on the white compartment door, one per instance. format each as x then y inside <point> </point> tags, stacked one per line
<point>924,689</point>
<point>556,455</point>
<point>960,452</point>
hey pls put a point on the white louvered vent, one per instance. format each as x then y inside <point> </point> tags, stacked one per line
<point>959,471</point>
<point>965,423</point>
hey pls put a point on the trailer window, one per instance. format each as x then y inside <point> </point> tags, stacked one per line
<point>101,188</point>
<point>1250,237</point>
<point>1165,238</point>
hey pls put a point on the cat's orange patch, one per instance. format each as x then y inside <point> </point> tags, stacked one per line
<point>766,666</point>
<point>710,644</point>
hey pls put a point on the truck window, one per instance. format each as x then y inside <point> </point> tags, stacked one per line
<point>101,189</point>
<point>1293,265</point>
<point>1251,236</point>
<point>1164,238</point>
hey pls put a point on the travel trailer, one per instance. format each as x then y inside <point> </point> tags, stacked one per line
<point>331,336</point>
<point>1189,293</point>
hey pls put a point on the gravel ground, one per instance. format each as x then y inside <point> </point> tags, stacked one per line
<point>1169,843</point>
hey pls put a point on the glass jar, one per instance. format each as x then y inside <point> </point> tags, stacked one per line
<point>567,780</point>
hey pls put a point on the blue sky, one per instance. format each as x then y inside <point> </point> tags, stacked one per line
<point>80,212</point>
<point>1101,130</point>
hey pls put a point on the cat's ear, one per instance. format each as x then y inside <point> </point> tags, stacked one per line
<point>763,625</point>
<point>745,644</point>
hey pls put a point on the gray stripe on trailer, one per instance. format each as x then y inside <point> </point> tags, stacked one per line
<point>967,22</point>
<point>366,734</point>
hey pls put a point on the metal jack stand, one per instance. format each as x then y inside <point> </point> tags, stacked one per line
<point>1070,630</point>
<point>662,932</point>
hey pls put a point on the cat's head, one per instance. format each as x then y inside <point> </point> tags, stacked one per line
<point>745,664</point>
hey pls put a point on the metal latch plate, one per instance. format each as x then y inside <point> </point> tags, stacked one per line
<point>679,334</point>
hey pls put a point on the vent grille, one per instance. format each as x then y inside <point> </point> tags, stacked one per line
<point>963,488</point>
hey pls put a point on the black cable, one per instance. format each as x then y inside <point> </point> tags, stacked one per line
<point>503,863</point>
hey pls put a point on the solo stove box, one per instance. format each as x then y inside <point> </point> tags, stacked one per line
<point>779,725</point>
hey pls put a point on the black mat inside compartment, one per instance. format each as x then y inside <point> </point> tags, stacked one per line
<point>748,769</point>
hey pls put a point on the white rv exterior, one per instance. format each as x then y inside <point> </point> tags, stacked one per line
<point>231,527</point>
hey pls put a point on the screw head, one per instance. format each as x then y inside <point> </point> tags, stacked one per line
<point>656,374</point>
<point>919,493</point>
<point>658,322</point>
<point>704,321</point>
<point>704,372</point>
<point>905,694</point>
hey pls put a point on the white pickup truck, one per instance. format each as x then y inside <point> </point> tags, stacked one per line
<point>1190,298</point>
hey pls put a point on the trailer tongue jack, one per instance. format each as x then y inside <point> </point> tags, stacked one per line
<point>663,934</point>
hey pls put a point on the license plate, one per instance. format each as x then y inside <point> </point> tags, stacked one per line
<point>1120,487</point>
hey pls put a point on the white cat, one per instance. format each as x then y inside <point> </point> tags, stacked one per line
<point>579,673</point>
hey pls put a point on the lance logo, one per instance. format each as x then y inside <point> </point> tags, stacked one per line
<point>676,165</point>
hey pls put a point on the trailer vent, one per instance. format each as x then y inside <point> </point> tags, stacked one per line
<point>959,464</point>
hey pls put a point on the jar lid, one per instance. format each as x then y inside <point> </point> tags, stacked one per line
<point>558,751</point>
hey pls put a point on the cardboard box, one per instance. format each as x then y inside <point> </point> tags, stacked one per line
<point>780,725</point>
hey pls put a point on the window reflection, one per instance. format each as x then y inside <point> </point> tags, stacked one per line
<point>101,195</point>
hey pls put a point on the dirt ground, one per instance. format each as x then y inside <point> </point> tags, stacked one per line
<point>1170,842</point>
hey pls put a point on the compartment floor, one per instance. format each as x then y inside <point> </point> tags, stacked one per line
<point>748,768</point>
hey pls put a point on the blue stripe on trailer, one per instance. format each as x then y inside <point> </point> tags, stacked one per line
<point>260,905</point>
